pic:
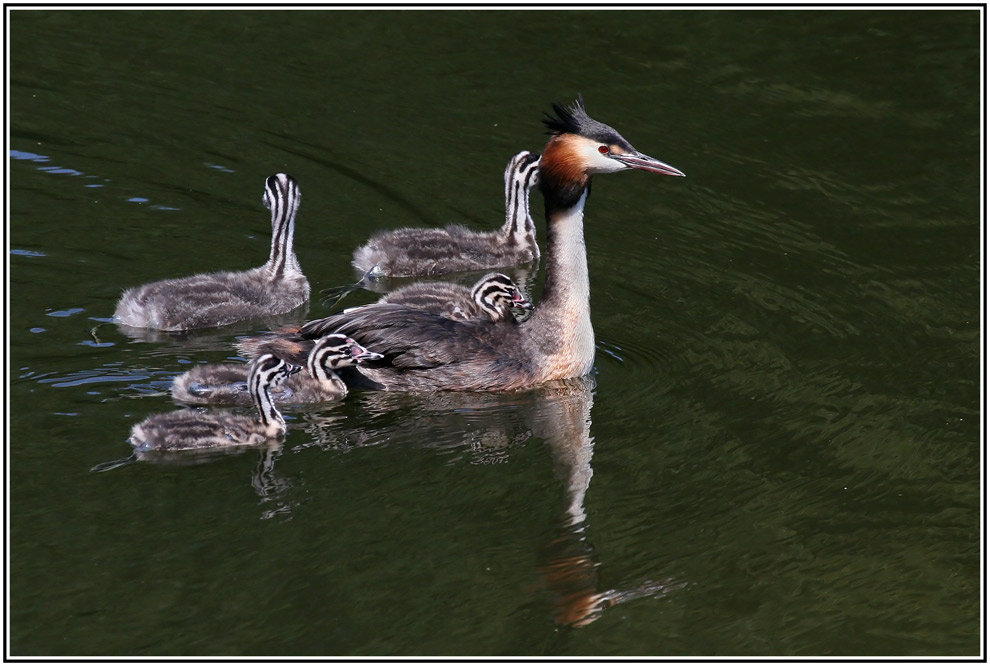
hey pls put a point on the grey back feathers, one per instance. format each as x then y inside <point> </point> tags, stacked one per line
<point>217,299</point>
<point>226,383</point>
<point>213,384</point>
<point>425,351</point>
<point>410,252</point>
<point>192,429</point>
<point>493,297</point>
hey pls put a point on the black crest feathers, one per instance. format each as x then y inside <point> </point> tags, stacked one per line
<point>567,120</point>
<point>575,120</point>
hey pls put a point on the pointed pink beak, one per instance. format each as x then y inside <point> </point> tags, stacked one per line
<point>359,353</point>
<point>519,302</point>
<point>647,163</point>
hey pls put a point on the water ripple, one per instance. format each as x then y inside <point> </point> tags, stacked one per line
<point>139,382</point>
<point>55,170</point>
<point>84,377</point>
<point>642,365</point>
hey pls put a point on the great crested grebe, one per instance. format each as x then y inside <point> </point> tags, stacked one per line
<point>192,429</point>
<point>225,383</point>
<point>218,299</point>
<point>494,296</point>
<point>424,351</point>
<point>410,252</point>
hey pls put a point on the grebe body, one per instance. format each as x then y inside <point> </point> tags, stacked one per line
<point>217,299</point>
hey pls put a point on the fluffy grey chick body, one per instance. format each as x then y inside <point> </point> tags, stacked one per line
<point>412,252</point>
<point>217,299</point>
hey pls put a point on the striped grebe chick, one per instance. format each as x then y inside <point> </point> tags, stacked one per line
<point>425,351</point>
<point>226,383</point>
<point>412,252</point>
<point>493,296</point>
<point>193,429</point>
<point>218,299</point>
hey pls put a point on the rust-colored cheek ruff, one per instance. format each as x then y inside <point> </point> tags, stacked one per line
<point>562,161</point>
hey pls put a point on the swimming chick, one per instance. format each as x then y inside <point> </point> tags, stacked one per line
<point>193,429</point>
<point>409,252</point>
<point>226,383</point>
<point>217,299</point>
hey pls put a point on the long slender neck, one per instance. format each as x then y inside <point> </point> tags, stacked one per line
<point>567,283</point>
<point>282,259</point>
<point>271,419</point>
<point>565,187</point>
<point>563,317</point>
<point>519,229</point>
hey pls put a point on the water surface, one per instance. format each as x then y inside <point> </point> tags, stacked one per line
<point>779,450</point>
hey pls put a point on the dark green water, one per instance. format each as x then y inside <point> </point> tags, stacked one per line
<point>785,412</point>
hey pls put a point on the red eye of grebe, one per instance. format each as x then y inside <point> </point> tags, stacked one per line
<point>603,150</point>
